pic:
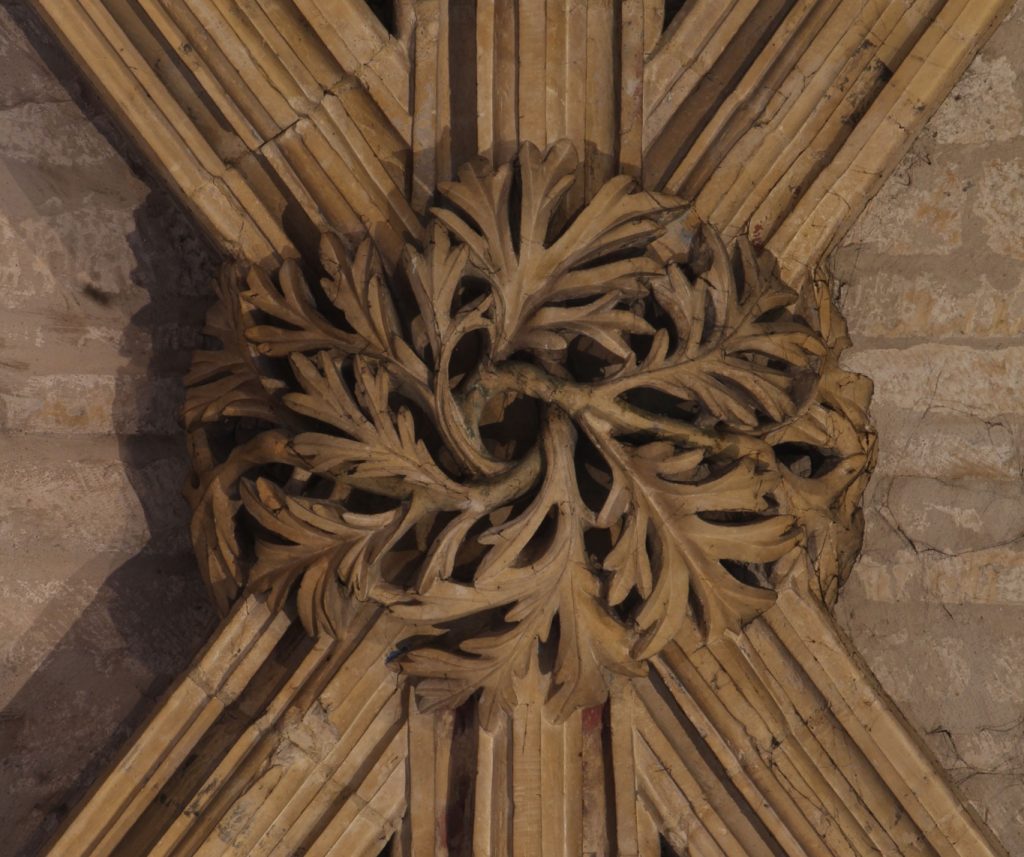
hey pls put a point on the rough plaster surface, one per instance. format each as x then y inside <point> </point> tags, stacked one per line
<point>933,288</point>
<point>103,283</point>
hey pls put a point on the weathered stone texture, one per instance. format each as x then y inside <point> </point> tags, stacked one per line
<point>102,291</point>
<point>933,288</point>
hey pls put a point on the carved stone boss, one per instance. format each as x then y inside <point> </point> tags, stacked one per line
<point>544,442</point>
<point>524,466</point>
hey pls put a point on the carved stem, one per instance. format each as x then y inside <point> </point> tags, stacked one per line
<point>603,404</point>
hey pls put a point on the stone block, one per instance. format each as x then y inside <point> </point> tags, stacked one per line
<point>984,108</point>
<point>982,382</point>
<point>903,302</point>
<point>72,404</point>
<point>922,217</point>
<point>958,667</point>
<point>947,444</point>
<point>956,517</point>
<point>1000,206</point>
<point>898,573</point>
<point>94,495</point>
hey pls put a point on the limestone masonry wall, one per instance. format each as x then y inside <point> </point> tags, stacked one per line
<point>932,281</point>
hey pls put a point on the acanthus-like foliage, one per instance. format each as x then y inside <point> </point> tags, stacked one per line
<point>545,443</point>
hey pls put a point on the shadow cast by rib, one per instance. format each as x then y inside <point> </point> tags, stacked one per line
<point>150,613</point>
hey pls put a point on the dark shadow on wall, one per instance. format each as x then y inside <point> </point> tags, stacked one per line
<point>150,614</point>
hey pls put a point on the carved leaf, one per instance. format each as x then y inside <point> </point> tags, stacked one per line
<point>378,448</point>
<point>359,291</point>
<point>215,503</point>
<point>734,356</point>
<point>319,536</point>
<point>435,276</point>
<point>671,496</point>
<point>581,263</point>
<point>560,583</point>
<point>225,382</point>
<point>289,301</point>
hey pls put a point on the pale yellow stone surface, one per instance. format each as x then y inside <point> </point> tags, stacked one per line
<point>981,380</point>
<point>947,443</point>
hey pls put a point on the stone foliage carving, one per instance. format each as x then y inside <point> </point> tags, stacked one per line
<point>546,440</point>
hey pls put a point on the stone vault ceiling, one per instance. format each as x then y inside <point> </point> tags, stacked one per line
<point>108,277</point>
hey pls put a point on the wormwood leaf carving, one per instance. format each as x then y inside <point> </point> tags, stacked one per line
<point>545,442</point>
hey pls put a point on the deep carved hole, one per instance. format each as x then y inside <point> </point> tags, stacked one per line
<point>321,487</point>
<point>630,606</point>
<point>446,203</point>
<point>385,12</point>
<point>781,313</point>
<point>548,651</point>
<point>321,293</point>
<point>466,356</point>
<point>515,208</point>
<point>537,547</point>
<point>711,319</point>
<point>470,552</point>
<point>221,439</point>
<point>592,474</point>
<point>587,361</point>
<point>365,502</point>
<point>664,404</point>
<point>597,542</point>
<point>654,314</point>
<point>637,438</point>
<point>512,428</point>
<point>276,473</point>
<point>750,573</point>
<point>634,601</point>
<point>613,255</point>
<point>737,518</point>
<point>803,387</point>
<point>347,373</point>
<point>470,289</point>
<point>427,432</point>
<point>400,566</point>
<point>739,272</point>
<point>696,609</point>
<point>699,259</point>
<point>403,298</point>
<point>458,817</point>
<point>806,460</point>
<point>463,85</point>
<point>672,8</point>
